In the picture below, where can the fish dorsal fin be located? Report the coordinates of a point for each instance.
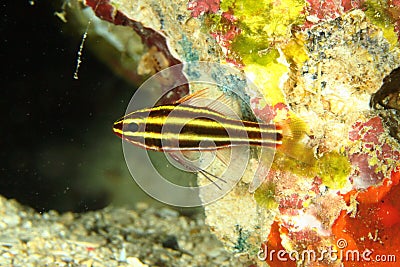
(194, 98)
(205, 99)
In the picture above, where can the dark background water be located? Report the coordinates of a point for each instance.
(56, 141)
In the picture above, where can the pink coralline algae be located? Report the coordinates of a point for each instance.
(200, 7)
(225, 35)
(268, 112)
(372, 150)
(224, 38)
(368, 131)
(291, 204)
(329, 9)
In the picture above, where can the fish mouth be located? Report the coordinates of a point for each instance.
(117, 127)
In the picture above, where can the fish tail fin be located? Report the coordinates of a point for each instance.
(293, 132)
(293, 129)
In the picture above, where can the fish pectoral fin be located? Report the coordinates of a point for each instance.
(191, 155)
(224, 155)
(184, 159)
(224, 106)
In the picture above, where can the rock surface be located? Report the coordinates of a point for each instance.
(114, 236)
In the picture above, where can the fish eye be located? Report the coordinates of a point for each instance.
(131, 127)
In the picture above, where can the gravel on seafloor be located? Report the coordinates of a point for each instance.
(114, 236)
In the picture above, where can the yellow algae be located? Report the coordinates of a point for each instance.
(226, 4)
(295, 51)
(268, 18)
(268, 78)
(373, 161)
(307, 203)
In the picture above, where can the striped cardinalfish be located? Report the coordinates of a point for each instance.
(184, 126)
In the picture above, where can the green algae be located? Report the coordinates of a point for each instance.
(284, 163)
(376, 12)
(249, 50)
(265, 196)
(265, 27)
(266, 18)
(333, 168)
(262, 23)
(216, 23)
(241, 243)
